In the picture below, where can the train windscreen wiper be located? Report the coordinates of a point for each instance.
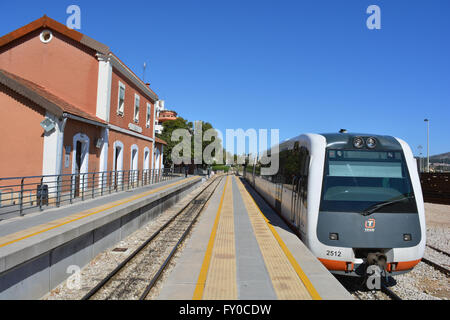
(377, 207)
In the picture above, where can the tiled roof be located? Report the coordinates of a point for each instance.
(101, 49)
(43, 97)
(158, 140)
(46, 22)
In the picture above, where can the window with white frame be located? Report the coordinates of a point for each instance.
(121, 102)
(137, 101)
(149, 108)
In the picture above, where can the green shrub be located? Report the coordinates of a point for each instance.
(221, 168)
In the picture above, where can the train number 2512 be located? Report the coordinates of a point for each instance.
(332, 253)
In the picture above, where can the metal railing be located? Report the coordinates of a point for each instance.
(21, 195)
(436, 187)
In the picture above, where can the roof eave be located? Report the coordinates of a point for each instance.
(31, 95)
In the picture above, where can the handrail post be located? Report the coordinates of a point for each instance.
(82, 188)
(40, 195)
(102, 182)
(21, 197)
(71, 188)
(93, 185)
(58, 192)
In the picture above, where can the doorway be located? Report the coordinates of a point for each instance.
(134, 164)
(146, 165)
(78, 151)
(118, 164)
(80, 163)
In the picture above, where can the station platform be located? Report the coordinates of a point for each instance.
(240, 249)
(37, 249)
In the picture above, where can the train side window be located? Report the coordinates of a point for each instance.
(306, 175)
(304, 171)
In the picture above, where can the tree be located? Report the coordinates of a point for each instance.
(212, 143)
(168, 128)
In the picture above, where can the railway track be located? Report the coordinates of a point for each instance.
(439, 250)
(357, 287)
(436, 265)
(391, 294)
(361, 293)
(359, 290)
(135, 277)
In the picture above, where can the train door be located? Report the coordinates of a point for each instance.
(278, 193)
(305, 161)
(294, 198)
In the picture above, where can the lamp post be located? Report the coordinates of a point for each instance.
(428, 144)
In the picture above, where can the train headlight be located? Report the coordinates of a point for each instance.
(358, 142)
(407, 237)
(371, 143)
(334, 236)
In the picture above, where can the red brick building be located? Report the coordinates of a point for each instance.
(69, 105)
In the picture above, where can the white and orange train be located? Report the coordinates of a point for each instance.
(355, 200)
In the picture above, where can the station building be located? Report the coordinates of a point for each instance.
(68, 105)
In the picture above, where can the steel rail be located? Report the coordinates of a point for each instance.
(105, 280)
(391, 294)
(436, 266)
(439, 250)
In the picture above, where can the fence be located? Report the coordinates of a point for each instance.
(22, 194)
(436, 187)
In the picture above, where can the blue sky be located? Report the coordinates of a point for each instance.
(297, 66)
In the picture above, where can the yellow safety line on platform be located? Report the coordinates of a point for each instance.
(199, 288)
(301, 274)
(115, 204)
(221, 281)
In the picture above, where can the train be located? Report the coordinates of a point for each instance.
(355, 200)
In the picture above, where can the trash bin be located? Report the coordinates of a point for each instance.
(42, 195)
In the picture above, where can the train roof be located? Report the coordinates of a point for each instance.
(345, 141)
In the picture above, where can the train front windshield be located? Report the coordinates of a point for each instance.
(367, 181)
